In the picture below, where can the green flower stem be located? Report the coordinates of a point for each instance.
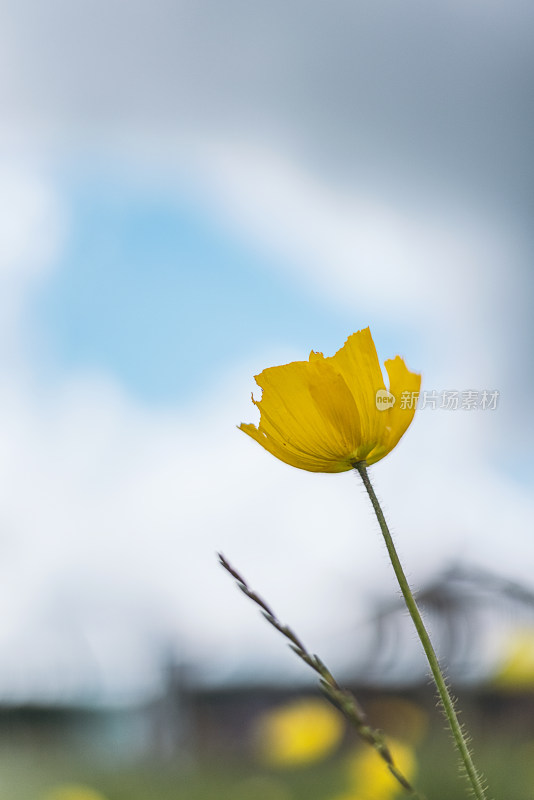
(459, 736)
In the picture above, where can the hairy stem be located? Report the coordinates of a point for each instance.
(459, 736)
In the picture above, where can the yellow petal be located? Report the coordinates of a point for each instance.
(289, 455)
(358, 363)
(288, 412)
(321, 415)
(308, 416)
(336, 404)
(401, 381)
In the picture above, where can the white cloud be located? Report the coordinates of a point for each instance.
(105, 504)
(450, 274)
(32, 224)
(31, 235)
(417, 264)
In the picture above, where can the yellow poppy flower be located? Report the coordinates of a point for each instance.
(327, 414)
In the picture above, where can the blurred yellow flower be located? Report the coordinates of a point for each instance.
(72, 791)
(369, 777)
(327, 414)
(516, 670)
(298, 733)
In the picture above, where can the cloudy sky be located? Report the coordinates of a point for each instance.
(191, 192)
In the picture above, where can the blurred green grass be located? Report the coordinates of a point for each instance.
(30, 773)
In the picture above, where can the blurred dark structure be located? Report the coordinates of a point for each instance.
(465, 608)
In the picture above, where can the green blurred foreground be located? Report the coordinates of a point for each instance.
(510, 774)
(41, 770)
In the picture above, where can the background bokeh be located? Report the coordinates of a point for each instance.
(191, 192)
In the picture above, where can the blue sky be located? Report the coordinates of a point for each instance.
(152, 289)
